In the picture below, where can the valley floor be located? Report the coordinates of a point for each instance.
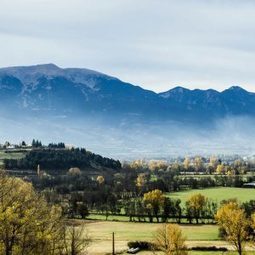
(197, 235)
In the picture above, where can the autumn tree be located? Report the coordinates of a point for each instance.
(196, 205)
(28, 225)
(138, 164)
(198, 163)
(76, 239)
(100, 179)
(170, 241)
(220, 169)
(74, 171)
(232, 219)
(157, 165)
(186, 163)
(154, 200)
(141, 180)
(213, 163)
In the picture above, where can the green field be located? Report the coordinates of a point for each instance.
(13, 155)
(100, 233)
(217, 194)
(144, 231)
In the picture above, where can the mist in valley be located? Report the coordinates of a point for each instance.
(126, 139)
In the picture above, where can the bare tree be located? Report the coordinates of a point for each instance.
(76, 239)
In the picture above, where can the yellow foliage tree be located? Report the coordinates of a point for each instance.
(157, 164)
(235, 223)
(196, 204)
(198, 163)
(170, 241)
(220, 169)
(100, 179)
(138, 164)
(74, 171)
(186, 163)
(154, 199)
(213, 162)
(27, 224)
(140, 180)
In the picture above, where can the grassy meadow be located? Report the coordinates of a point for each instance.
(13, 155)
(217, 194)
(100, 233)
(101, 230)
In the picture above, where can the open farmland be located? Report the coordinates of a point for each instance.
(218, 194)
(100, 233)
(102, 230)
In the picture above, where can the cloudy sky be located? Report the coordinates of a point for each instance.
(157, 44)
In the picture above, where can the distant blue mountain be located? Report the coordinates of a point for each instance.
(50, 90)
(117, 119)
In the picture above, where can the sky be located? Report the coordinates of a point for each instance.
(156, 44)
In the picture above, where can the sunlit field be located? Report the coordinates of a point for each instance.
(101, 233)
(218, 194)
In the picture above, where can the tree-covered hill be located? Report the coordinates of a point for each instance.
(61, 160)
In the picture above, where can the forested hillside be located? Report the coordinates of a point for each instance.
(61, 160)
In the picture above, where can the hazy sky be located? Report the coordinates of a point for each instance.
(157, 44)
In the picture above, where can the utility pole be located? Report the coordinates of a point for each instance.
(113, 244)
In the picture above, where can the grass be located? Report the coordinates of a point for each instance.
(13, 155)
(218, 194)
(101, 234)
(110, 217)
(102, 230)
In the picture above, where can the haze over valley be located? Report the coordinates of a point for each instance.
(117, 119)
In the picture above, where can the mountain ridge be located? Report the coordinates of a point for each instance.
(54, 70)
(48, 88)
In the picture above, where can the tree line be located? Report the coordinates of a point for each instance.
(122, 192)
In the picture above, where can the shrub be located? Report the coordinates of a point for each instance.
(142, 245)
(209, 248)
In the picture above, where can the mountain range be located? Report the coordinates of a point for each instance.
(92, 109)
(48, 89)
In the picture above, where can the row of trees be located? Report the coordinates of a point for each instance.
(35, 144)
(155, 205)
(195, 165)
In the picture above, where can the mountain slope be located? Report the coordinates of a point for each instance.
(232, 101)
(50, 90)
(115, 118)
